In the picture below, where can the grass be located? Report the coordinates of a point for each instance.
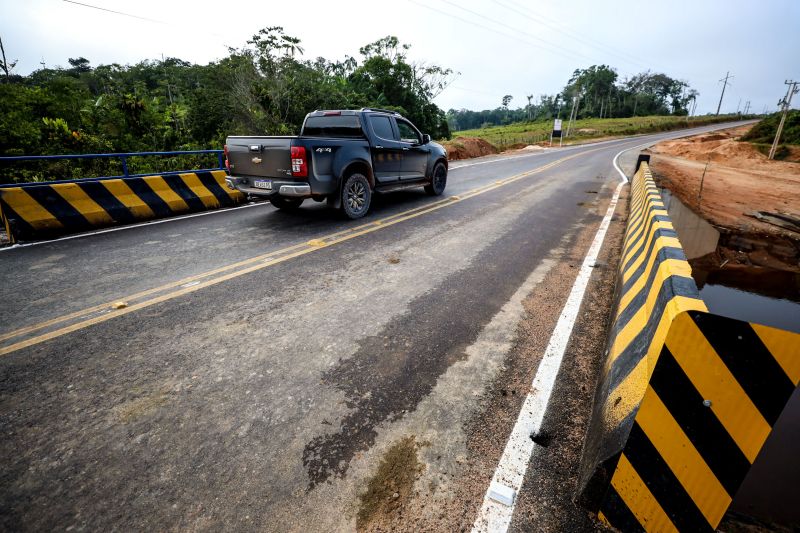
(764, 131)
(507, 136)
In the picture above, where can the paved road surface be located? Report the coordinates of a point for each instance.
(266, 361)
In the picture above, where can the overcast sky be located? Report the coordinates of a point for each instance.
(500, 47)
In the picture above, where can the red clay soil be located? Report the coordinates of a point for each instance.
(739, 180)
(468, 147)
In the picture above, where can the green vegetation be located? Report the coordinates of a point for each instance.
(597, 93)
(591, 128)
(763, 133)
(263, 88)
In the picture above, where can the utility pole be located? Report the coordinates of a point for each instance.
(747, 107)
(725, 84)
(5, 63)
(785, 102)
(573, 114)
(739, 105)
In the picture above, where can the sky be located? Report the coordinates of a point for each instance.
(498, 47)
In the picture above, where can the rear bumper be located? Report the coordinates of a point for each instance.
(281, 188)
(295, 190)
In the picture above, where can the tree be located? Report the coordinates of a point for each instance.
(263, 88)
(386, 79)
(4, 64)
(594, 86)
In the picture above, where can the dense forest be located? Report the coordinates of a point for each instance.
(262, 88)
(598, 94)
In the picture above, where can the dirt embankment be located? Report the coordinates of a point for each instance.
(468, 147)
(738, 182)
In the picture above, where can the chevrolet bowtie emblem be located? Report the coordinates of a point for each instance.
(256, 160)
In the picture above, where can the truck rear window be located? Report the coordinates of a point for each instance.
(333, 126)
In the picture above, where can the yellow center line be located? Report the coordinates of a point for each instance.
(247, 266)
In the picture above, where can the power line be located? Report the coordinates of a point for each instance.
(116, 12)
(487, 28)
(575, 55)
(555, 26)
(146, 19)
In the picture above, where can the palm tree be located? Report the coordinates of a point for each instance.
(291, 45)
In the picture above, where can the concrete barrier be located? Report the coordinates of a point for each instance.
(35, 211)
(686, 398)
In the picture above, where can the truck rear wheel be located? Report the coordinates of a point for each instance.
(356, 196)
(438, 181)
(287, 204)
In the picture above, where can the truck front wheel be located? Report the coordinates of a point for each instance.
(438, 180)
(287, 204)
(356, 196)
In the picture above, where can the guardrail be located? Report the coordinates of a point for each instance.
(122, 156)
(39, 210)
(686, 399)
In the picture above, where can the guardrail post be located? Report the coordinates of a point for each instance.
(220, 161)
(124, 166)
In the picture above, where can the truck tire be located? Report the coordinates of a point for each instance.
(438, 181)
(284, 203)
(356, 196)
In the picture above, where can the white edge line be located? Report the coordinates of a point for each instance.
(129, 226)
(495, 517)
(545, 151)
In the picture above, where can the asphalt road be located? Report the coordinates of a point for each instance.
(264, 362)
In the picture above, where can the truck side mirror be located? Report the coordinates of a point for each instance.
(426, 138)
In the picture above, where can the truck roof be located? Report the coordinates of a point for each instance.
(323, 112)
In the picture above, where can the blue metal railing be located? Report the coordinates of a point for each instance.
(123, 157)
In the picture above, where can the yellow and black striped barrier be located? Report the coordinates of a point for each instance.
(686, 398)
(33, 211)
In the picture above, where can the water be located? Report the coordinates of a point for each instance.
(754, 294)
(697, 236)
(763, 296)
(767, 297)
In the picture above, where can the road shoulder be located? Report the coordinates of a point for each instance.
(545, 503)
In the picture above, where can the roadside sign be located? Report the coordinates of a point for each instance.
(556, 132)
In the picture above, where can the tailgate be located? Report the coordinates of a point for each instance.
(268, 157)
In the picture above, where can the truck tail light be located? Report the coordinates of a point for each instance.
(299, 162)
(227, 163)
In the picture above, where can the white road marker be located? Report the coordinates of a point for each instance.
(495, 514)
(616, 159)
(501, 493)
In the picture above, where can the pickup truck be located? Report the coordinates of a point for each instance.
(342, 157)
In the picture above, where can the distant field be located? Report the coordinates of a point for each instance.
(532, 132)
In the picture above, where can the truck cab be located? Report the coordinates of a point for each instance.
(342, 156)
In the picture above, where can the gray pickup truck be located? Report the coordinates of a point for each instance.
(339, 156)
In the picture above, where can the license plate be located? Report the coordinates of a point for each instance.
(263, 184)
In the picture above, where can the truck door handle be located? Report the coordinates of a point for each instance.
(405, 148)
